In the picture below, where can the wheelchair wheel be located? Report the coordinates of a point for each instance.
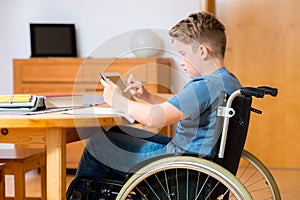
(183, 177)
(256, 177)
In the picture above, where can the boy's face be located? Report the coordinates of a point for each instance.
(191, 59)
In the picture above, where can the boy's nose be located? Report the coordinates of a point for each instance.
(182, 62)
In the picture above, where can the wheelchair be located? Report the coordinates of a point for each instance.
(229, 173)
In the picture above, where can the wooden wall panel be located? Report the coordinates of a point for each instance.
(264, 49)
(208, 6)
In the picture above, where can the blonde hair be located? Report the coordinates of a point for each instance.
(201, 28)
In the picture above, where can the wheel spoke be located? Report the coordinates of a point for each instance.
(256, 177)
(197, 185)
(152, 190)
(187, 185)
(160, 183)
(177, 184)
(141, 193)
(202, 188)
(212, 191)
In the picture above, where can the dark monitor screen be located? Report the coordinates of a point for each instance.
(53, 40)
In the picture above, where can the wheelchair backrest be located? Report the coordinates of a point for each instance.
(236, 134)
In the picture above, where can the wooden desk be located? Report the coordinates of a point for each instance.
(41, 76)
(54, 130)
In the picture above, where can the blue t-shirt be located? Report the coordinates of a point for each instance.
(196, 133)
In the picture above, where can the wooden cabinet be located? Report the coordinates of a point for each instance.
(80, 76)
(77, 75)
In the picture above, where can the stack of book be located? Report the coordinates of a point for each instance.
(17, 103)
(21, 102)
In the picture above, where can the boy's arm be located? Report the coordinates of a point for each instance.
(154, 98)
(152, 115)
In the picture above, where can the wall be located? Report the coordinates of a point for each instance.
(97, 21)
(263, 49)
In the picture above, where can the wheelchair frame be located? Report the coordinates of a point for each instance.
(152, 181)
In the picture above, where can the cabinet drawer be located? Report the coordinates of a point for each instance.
(43, 72)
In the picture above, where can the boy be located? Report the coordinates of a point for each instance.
(201, 40)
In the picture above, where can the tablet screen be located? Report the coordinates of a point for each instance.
(118, 80)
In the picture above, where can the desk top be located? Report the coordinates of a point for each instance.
(58, 120)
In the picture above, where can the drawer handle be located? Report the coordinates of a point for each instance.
(4, 131)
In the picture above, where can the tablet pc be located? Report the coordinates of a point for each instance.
(118, 80)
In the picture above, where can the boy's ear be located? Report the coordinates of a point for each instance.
(203, 51)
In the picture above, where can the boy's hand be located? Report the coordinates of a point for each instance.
(111, 93)
(135, 87)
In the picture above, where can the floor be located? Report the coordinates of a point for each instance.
(287, 180)
(288, 183)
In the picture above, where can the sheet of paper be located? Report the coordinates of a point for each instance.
(99, 111)
(50, 110)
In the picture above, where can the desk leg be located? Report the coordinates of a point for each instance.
(56, 164)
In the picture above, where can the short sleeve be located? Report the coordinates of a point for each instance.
(193, 99)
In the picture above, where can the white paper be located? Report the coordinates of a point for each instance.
(99, 111)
